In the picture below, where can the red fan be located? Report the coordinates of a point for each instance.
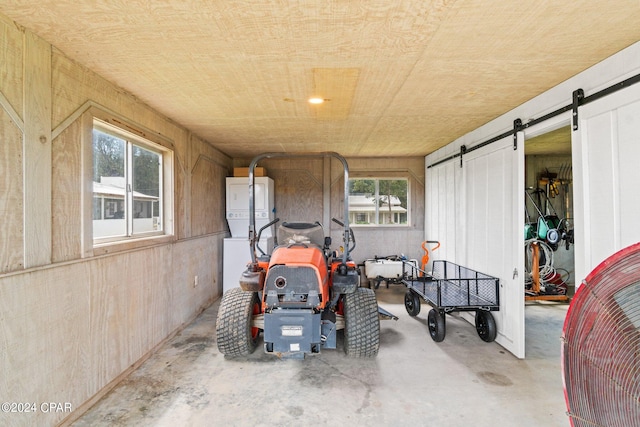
(601, 345)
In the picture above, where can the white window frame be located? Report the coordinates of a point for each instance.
(376, 213)
(138, 136)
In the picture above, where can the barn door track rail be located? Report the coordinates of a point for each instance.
(578, 99)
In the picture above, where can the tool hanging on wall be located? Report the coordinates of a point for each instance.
(554, 189)
(566, 179)
(548, 226)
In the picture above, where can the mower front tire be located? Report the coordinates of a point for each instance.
(235, 334)
(362, 325)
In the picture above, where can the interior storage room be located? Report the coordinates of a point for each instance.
(548, 207)
(374, 213)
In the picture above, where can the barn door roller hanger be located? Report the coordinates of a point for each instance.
(579, 99)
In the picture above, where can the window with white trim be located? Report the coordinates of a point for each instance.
(379, 201)
(128, 185)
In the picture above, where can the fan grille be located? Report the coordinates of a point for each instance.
(601, 345)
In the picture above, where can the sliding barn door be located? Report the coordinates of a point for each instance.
(606, 173)
(441, 217)
(493, 212)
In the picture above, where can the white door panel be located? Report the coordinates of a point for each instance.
(493, 212)
(606, 178)
(476, 212)
(441, 213)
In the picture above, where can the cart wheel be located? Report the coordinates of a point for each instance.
(486, 326)
(437, 325)
(412, 303)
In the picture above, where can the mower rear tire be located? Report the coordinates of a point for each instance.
(362, 324)
(235, 334)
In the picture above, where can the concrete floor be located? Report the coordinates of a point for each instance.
(414, 381)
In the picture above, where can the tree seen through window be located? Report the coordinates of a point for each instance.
(375, 201)
(127, 188)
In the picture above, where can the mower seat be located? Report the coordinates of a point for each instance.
(301, 233)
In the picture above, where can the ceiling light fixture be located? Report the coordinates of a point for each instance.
(316, 100)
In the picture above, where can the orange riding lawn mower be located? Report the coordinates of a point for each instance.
(301, 294)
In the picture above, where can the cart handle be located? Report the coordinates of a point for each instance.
(425, 257)
(437, 243)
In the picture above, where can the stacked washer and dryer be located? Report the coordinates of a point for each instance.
(237, 252)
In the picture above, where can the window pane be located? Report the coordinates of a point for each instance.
(97, 207)
(127, 185)
(362, 209)
(393, 201)
(108, 185)
(146, 190)
(378, 201)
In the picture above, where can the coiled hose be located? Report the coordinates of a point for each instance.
(545, 262)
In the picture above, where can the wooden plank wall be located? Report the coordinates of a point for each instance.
(385, 241)
(301, 190)
(74, 320)
(36, 149)
(11, 130)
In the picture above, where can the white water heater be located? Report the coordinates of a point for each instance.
(238, 205)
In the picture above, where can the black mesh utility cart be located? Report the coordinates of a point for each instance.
(451, 287)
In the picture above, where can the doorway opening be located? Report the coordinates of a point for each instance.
(548, 221)
(549, 247)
